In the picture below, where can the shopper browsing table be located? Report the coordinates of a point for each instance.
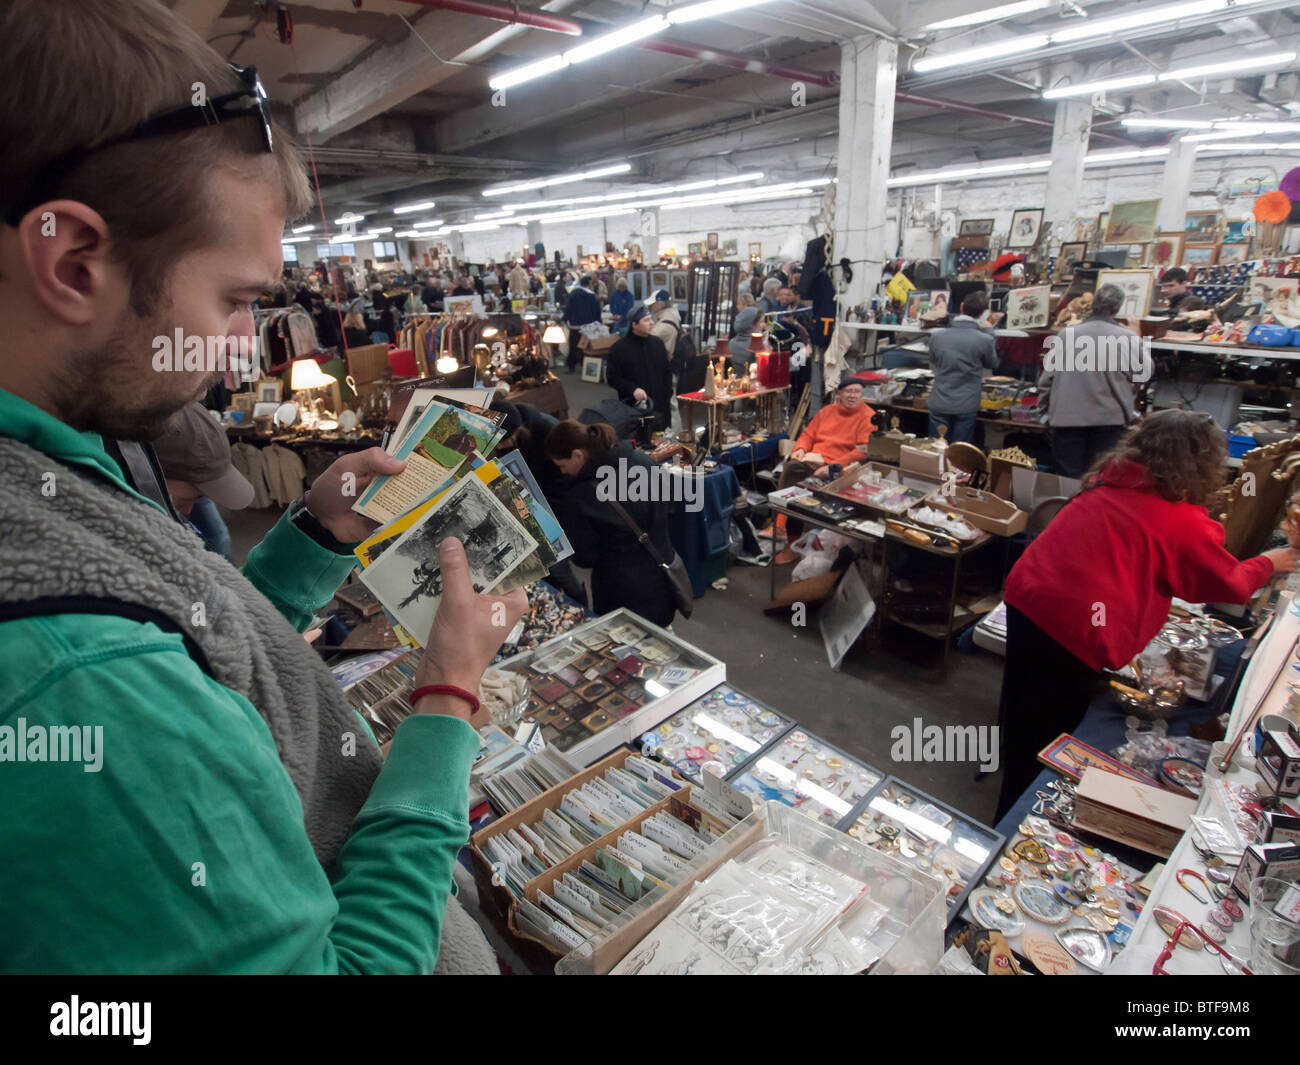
(581, 308)
(1089, 401)
(238, 816)
(637, 368)
(959, 355)
(1094, 588)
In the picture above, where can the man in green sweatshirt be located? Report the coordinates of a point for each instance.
(185, 788)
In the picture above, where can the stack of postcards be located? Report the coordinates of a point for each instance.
(453, 485)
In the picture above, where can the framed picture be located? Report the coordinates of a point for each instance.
(1026, 224)
(638, 284)
(1202, 226)
(1137, 286)
(1236, 252)
(1028, 308)
(1103, 220)
(1166, 250)
(1070, 253)
(679, 285)
(593, 369)
(730, 248)
(1133, 222)
(1137, 255)
(755, 250)
(922, 303)
(975, 227)
(1200, 252)
(712, 241)
(658, 280)
(1277, 296)
(695, 251)
(243, 401)
(268, 390)
(1238, 232)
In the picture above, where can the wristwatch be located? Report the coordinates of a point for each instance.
(300, 516)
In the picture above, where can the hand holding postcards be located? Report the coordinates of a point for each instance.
(449, 488)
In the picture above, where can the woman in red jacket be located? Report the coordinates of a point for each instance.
(1094, 588)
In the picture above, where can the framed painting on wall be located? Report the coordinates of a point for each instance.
(1137, 286)
(730, 248)
(1236, 252)
(1026, 223)
(1200, 253)
(1070, 253)
(658, 280)
(755, 250)
(1202, 226)
(975, 227)
(1166, 250)
(1133, 222)
(711, 241)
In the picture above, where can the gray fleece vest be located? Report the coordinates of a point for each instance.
(93, 539)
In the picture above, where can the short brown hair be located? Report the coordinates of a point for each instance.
(80, 74)
(570, 436)
(1183, 452)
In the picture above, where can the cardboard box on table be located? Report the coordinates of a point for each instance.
(981, 509)
(498, 903)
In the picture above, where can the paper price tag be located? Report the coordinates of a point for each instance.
(1288, 906)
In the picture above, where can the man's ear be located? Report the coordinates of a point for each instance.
(65, 252)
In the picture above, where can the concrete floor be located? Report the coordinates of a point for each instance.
(877, 688)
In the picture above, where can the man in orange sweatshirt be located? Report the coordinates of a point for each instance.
(834, 434)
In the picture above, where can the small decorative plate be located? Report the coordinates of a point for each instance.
(1041, 903)
(1087, 946)
(995, 910)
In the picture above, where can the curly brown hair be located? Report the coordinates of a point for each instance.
(1183, 452)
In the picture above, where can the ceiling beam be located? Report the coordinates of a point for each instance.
(391, 74)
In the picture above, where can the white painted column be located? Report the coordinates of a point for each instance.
(535, 238)
(647, 227)
(1176, 186)
(1070, 130)
(868, 81)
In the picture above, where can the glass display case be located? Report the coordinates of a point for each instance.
(605, 682)
(810, 775)
(718, 733)
(919, 830)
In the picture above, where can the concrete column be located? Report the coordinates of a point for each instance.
(1070, 130)
(456, 241)
(868, 76)
(868, 81)
(647, 227)
(1175, 186)
(534, 238)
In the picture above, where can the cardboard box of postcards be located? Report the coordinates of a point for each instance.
(500, 905)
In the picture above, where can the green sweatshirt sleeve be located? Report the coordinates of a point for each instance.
(175, 841)
(295, 572)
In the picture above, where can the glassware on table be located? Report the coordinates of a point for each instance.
(1274, 938)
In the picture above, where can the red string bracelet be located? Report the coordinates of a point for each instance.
(445, 689)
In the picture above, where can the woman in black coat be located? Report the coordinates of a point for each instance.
(623, 573)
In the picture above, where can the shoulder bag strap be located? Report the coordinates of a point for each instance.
(643, 538)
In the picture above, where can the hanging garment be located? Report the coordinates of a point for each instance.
(284, 474)
(251, 462)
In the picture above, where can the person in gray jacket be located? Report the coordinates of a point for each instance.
(1086, 389)
(747, 315)
(958, 356)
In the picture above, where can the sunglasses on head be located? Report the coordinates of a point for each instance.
(250, 100)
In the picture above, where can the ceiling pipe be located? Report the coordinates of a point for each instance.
(826, 80)
(984, 112)
(536, 19)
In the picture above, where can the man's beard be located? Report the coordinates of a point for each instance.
(114, 390)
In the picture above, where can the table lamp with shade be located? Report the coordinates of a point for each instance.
(307, 376)
(554, 335)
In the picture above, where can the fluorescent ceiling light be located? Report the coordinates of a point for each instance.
(991, 14)
(519, 75)
(408, 208)
(1089, 88)
(342, 238)
(383, 229)
(303, 229)
(1081, 31)
(294, 240)
(998, 50)
(1123, 155)
(429, 223)
(408, 233)
(1259, 146)
(344, 219)
(1239, 126)
(506, 213)
(1209, 69)
(963, 172)
(562, 179)
(611, 197)
(624, 35)
(714, 8)
(1217, 135)
(1167, 123)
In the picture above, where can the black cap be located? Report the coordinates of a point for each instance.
(638, 312)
